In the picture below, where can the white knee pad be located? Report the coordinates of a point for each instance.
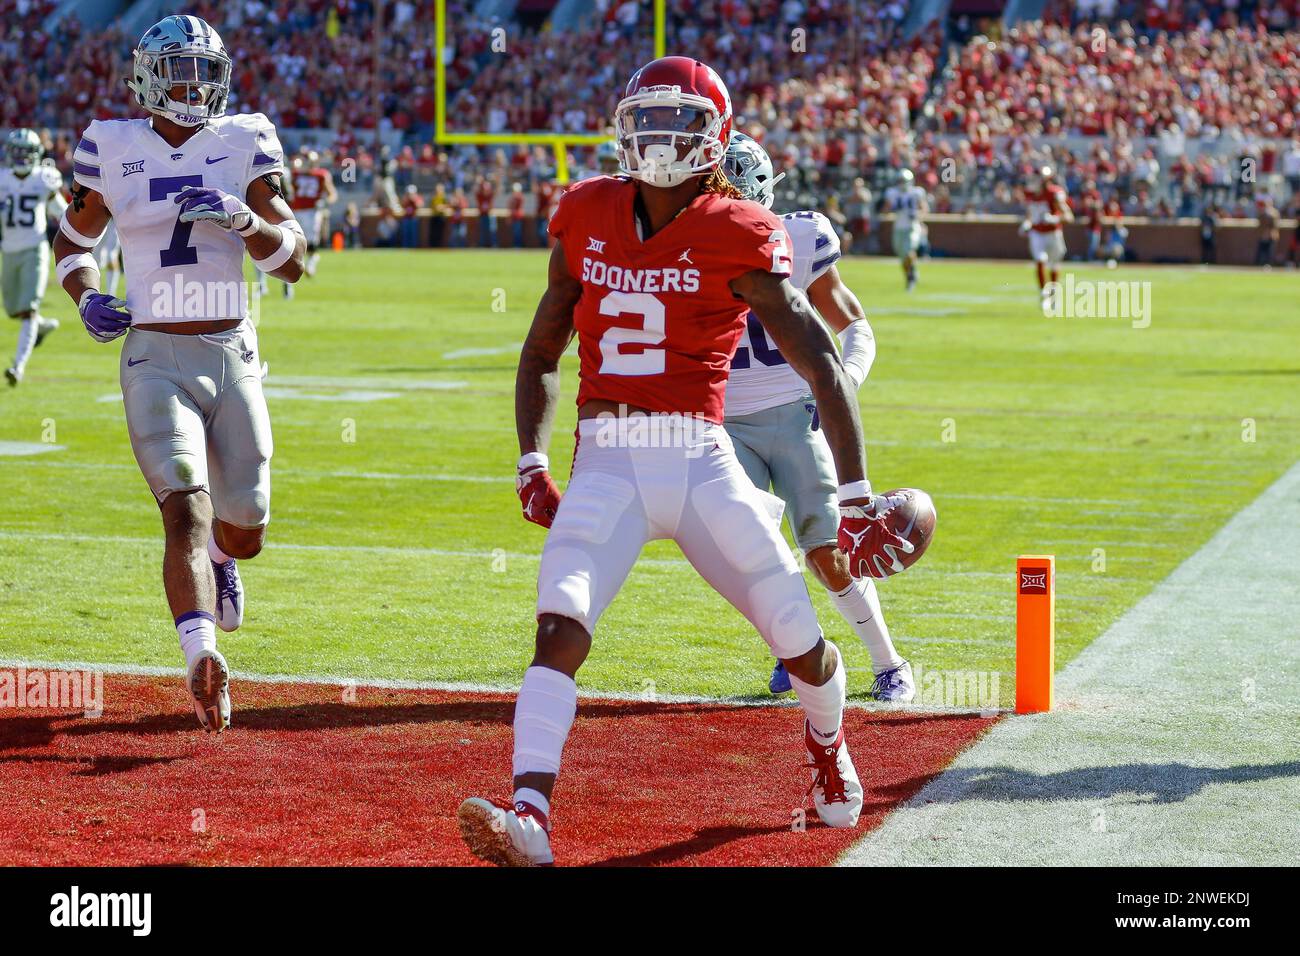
(248, 510)
(780, 608)
(565, 584)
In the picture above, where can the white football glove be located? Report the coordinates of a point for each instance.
(205, 203)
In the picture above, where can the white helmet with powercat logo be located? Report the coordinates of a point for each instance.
(749, 169)
(181, 51)
(22, 150)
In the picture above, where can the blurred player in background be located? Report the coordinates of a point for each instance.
(773, 422)
(30, 193)
(191, 191)
(907, 200)
(607, 159)
(1047, 210)
(654, 273)
(109, 256)
(312, 192)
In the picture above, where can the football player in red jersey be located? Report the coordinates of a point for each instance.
(654, 272)
(313, 193)
(1046, 213)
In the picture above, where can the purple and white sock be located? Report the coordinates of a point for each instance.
(198, 633)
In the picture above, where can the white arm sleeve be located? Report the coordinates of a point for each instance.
(859, 350)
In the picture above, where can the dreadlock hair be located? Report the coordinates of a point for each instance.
(717, 182)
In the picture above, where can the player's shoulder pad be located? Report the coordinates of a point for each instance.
(104, 143)
(750, 216)
(244, 127)
(595, 189)
(105, 139)
(597, 193)
(249, 132)
(813, 233)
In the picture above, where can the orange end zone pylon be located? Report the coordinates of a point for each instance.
(1035, 632)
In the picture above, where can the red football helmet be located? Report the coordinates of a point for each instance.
(673, 122)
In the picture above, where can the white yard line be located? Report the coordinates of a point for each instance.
(1173, 741)
(415, 551)
(361, 684)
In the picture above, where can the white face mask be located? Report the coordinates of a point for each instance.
(665, 136)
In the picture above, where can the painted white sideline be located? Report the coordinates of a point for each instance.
(1174, 738)
(463, 687)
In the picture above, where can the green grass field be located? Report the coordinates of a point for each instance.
(398, 551)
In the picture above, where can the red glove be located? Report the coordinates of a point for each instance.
(870, 543)
(537, 492)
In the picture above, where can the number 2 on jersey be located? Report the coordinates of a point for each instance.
(648, 361)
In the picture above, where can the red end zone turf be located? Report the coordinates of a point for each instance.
(304, 778)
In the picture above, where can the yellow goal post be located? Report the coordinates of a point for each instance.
(559, 142)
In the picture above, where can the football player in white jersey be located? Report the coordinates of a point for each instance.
(108, 254)
(190, 190)
(772, 420)
(908, 201)
(29, 192)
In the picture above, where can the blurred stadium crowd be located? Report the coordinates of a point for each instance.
(1164, 109)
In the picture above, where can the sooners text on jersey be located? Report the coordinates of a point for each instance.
(657, 321)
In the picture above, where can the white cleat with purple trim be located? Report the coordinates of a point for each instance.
(207, 681)
(230, 595)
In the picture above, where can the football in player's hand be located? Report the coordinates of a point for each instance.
(910, 514)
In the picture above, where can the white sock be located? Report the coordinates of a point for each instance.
(544, 712)
(824, 705)
(198, 632)
(860, 606)
(27, 330)
(110, 281)
(215, 554)
(313, 260)
(534, 797)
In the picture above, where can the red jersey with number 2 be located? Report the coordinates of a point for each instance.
(657, 321)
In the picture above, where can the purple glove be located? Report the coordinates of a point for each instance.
(102, 315)
(220, 208)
